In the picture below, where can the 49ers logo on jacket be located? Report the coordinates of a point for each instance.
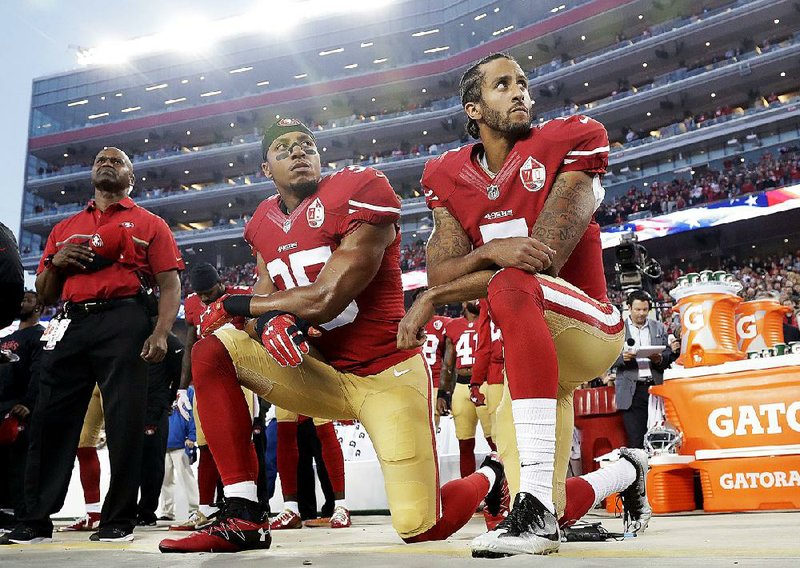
(532, 174)
(315, 214)
(97, 241)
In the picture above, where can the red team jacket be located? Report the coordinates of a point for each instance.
(362, 339)
(509, 204)
(433, 348)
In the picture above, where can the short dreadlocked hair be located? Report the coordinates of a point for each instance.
(470, 87)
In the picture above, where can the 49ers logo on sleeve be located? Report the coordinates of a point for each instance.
(96, 241)
(315, 214)
(532, 174)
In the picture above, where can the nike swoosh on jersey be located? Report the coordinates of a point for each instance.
(400, 373)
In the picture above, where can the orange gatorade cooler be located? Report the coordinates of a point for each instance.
(707, 313)
(759, 324)
(670, 484)
(750, 484)
(737, 405)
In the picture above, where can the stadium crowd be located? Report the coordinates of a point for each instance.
(704, 186)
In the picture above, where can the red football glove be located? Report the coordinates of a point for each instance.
(476, 396)
(214, 317)
(284, 339)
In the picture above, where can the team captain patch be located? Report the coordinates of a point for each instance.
(315, 214)
(532, 174)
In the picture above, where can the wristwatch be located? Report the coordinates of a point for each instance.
(48, 261)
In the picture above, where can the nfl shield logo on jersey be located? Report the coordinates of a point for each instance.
(437, 325)
(315, 214)
(532, 174)
(493, 192)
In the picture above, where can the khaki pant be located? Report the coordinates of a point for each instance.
(93, 422)
(466, 415)
(394, 406)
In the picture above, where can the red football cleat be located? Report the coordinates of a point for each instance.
(240, 525)
(340, 518)
(286, 520)
(88, 522)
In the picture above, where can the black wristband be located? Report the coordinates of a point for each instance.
(238, 305)
(262, 320)
(442, 393)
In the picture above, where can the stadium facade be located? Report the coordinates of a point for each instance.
(380, 89)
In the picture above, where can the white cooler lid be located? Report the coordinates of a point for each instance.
(751, 452)
(670, 459)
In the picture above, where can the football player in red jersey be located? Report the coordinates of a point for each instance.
(467, 407)
(514, 224)
(208, 287)
(434, 352)
(328, 302)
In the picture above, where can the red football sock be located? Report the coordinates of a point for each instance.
(516, 305)
(89, 466)
(491, 443)
(332, 456)
(207, 476)
(288, 454)
(226, 423)
(580, 498)
(466, 456)
(460, 499)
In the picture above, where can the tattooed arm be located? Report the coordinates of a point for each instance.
(457, 273)
(450, 254)
(566, 214)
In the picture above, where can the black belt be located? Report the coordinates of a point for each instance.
(646, 382)
(96, 306)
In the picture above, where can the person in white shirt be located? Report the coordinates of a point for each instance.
(638, 367)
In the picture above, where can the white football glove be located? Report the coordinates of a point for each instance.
(183, 404)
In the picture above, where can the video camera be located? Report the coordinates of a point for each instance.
(635, 269)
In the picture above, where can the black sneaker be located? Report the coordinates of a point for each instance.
(23, 534)
(635, 506)
(240, 525)
(112, 534)
(529, 529)
(142, 521)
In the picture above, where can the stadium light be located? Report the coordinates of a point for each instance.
(198, 35)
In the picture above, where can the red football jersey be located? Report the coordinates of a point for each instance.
(489, 360)
(193, 307)
(464, 335)
(509, 204)
(433, 348)
(363, 338)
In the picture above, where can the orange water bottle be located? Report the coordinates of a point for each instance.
(707, 310)
(759, 324)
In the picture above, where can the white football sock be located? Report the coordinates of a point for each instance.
(340, 503)
(535, 422)
(208, 510)
(94, 507)
(244, 489)
(489, 474)
(292, 506)
(613, 478)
